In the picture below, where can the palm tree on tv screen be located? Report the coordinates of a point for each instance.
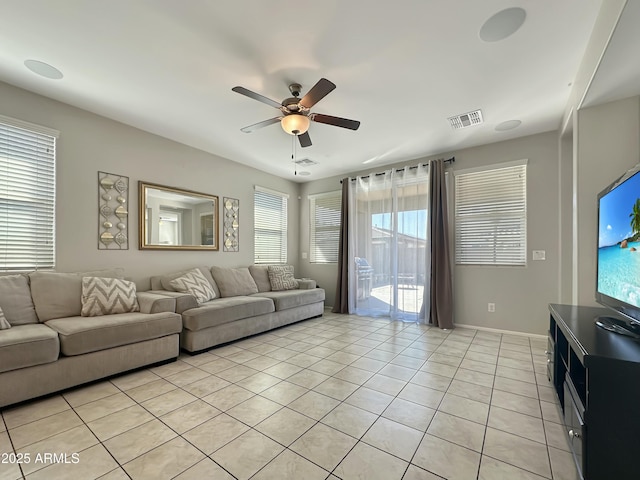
(635, 218)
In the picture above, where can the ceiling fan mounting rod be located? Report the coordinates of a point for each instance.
(295, 88)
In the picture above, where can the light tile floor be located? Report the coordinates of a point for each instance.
(338, 397)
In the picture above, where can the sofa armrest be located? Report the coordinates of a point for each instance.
(184, 301)
(154, 303)
(306, 283)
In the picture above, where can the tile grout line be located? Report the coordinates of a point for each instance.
(396, 350)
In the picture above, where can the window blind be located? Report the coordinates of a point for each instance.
(325, 213)
(491, 216)
(270, 226)
(27, 196)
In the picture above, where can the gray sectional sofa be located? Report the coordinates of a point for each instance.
(51, 347)
(244, 304)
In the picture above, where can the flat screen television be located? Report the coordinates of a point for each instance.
(618, 257)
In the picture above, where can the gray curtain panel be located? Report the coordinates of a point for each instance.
(341, 303)
(441, 313)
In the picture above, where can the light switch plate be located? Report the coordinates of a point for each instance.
(539, 255)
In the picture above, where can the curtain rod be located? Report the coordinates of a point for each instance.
(449, 160)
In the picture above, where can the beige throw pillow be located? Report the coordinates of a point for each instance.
(260, 274)
(4, 324)
(234, 282)
(107, 296)
(15, 299)
(59, 295)
(281, 277)
(194, 283)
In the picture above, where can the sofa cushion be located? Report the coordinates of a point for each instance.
(281, 277)
(4, 323)
(15, 300)
(58, 295)
(233, 282)
(225, 310)
(293, 298)
(260, 274)
(80, 335)
(27, 345)
(107, 296)
(194, 283)
(165, 280)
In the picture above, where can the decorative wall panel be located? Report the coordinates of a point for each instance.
(113, 212)
(231, 225)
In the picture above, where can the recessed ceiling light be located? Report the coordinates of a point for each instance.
(504, 23)
(304, 173)
(508, 125)
(43, 69)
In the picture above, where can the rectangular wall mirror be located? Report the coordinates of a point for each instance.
(176, 219)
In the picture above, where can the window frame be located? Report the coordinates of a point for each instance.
(491, 228)
(262, 253)
(332, 240)
(27, 185)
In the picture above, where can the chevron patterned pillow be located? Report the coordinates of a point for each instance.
(281, 277)
(106, 296)
(4, 323)
(194, 283)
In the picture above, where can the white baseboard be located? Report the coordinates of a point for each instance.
(498, 330)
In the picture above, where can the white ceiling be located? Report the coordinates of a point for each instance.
(400, 67)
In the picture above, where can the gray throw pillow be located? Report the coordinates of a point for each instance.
(281, 277)
(15, 300)
(260, 274)
(59, 295)
(4, 324)
(194, 283)
(107, 296)
(234, 282)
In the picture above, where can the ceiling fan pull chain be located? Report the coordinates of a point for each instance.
(293, 154)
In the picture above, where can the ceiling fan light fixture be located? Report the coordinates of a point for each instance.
(295, 124)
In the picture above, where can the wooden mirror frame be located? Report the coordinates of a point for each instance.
(178, 200)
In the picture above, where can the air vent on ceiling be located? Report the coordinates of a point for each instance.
(466, 119)
(305, 162)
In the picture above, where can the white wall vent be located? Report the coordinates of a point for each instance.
(466, 120)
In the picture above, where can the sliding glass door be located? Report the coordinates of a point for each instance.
(389, 244)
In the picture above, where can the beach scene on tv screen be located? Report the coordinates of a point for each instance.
(619, 242)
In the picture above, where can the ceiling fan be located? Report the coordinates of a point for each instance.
(296, 114)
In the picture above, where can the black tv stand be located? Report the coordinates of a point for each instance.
(596, 374)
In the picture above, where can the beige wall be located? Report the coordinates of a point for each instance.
(566, 238)
(89, 143)
(521, 294)
(605, 143)
(598, 145)
(608, 141)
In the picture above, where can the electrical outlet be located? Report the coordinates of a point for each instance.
(304, 255)
(491, 307)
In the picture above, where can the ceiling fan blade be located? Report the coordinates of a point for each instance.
(305, 140)
(317, 93)
(256, 96)
(258, 125)
(335, 121)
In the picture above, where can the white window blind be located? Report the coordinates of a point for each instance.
(27, 196)
(270, 222)
(325, 227)
(491, 216)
